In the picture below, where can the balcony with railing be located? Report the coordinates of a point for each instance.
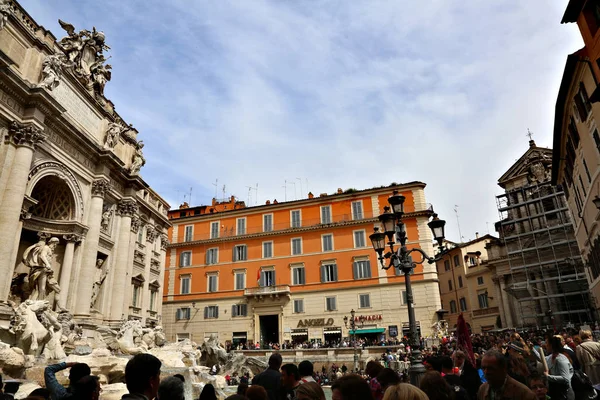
(268, 291)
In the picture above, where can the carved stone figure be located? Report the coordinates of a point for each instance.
(38, 258)
(138, 160)
(4, 13)
(159, 337)
(31, 334)
(51, 71)
(128, 134)
(112, 135)
(129, 338)
(53, 349)
(213, 353)
(101, 273)
(105, 222)
(84, 51)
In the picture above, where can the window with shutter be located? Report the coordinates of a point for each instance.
(365, 301)
(298, 306)
(404, 297)
(330, 303)
(211, 312)
(460, 282)
(298, 276)
(212, 256)
(357, 212)
(214, 229)
(185, 258)
(234, 310)
(296, 246)
(267, 249)
(241, 226)
(452, 307)
(449, 284)
(327, 242)
(480, 280)
(244, 310)
(328, 273)
(239, 253)
(296, 219)
(267, 277)
(189, 233)
(185, 284)
(212, 283)
(267, 222)
(359, 239)
(446, 265)
(326, 214)
(463, 304)
(483, 300)
(362, 269)
(240, 280)
(456, 261)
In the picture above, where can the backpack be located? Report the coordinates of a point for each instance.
(582, 386)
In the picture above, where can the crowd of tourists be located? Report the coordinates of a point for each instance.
(315, 344)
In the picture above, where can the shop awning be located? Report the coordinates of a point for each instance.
(300, 333)
(332, 331)
(365, 331)
(240, 336)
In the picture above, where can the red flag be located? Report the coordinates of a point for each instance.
(464, 338)
(258, 277)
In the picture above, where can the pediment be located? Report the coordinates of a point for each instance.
(535, 165)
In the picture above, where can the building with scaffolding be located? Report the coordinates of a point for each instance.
(537, 265)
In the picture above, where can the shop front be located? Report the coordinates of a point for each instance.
(406, 329)
(299, 335)
(371, 335)
(239, 339)
(332, 334)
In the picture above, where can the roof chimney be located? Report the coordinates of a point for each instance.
(340, 191)
(476, 235)
(275, 201)
(268, 202)
(310, 195)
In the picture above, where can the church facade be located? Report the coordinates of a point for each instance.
(79, 227)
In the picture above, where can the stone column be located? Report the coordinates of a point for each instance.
(25, 138)
(500, 302)
(67, 268)
(87, 272)
(126, 209)
(151, 235)
(506, 303)
(164, 242)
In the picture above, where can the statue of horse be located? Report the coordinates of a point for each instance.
(31, 334)
(130, 338)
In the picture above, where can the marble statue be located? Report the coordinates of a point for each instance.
(112, 135)
(38, 258)
(129, 338)
(84, 51)
(51, 71)
(101, 273)
(105, 221)
(31, 334)
(4, 13)
(138, 160)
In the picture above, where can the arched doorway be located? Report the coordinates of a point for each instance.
(55, 199)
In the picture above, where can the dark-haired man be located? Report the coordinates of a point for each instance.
(270, 378)
(307, 371)
(290, 378)
(58, 391)
(499, 385)
(142, 376)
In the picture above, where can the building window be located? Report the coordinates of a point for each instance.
(449, 284)
(212, 283)
(185, 284)
(463, 304)
(582, 186)
(573, 131)
(140, 236)
(452, 307)
(298, 276)
(153, 296)
(135, 298)
(327, 242)
(357, 211)
(189, 233)
(296, 217)
(480, 280)
(405, 298)
(359, 239)
(267, 277)
(296, 246)
(472, 260)
(326, 214)
(483, 300)
(240, 252)
(456, 261)
(582, 103)
(596, 137)
(185, 258)
(460, 282)
(239, 310)
(364, 301)
(587, 171)
(241, 226)
(298, 306)
(329, 273)
(330, 304)
(446, 265)
(214, 229)
(182, 313)
(211, 312)
(267, 249)
(212, 256)
(240, 280)
(362, 269)
(267, 222)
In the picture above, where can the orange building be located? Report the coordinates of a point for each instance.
(291, 271)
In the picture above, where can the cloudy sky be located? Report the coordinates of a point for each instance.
(348, 94)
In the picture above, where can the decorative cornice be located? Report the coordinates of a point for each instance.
(127, 208)
(99, 187)
(135, 223)
(25, 135)
(72, 237)
(151, 233)
(164, 241)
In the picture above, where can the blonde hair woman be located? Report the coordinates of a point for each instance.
(310, 391)
(404, 391)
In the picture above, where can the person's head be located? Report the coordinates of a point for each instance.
(306, 368)
(179, 376)
(275, 361)
(538, 385)
(78, 371)
(585, 334)
(208, 392)
(373, 369)
(404, 391)
(310, 391)
(494, 366)
(447, 364)
(459, 358)
(256, 392)
(142, 375)
(289, 375)
(87, 388)
(387, 377)
(171, 388)
(351, 387)
(435, 386)
(242, 388)
(556, 344)
(42, 393)
(434, 364)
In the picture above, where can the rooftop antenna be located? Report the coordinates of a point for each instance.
(285, 190)
(216, 185)
(190, 198)
(295, 195)
(256, 195)
(250, 189)
(224, 188)
(301, 191)
(458, 222)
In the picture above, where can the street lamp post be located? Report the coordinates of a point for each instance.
(353, 327)
(401, 258)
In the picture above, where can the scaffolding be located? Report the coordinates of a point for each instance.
(547, 276)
